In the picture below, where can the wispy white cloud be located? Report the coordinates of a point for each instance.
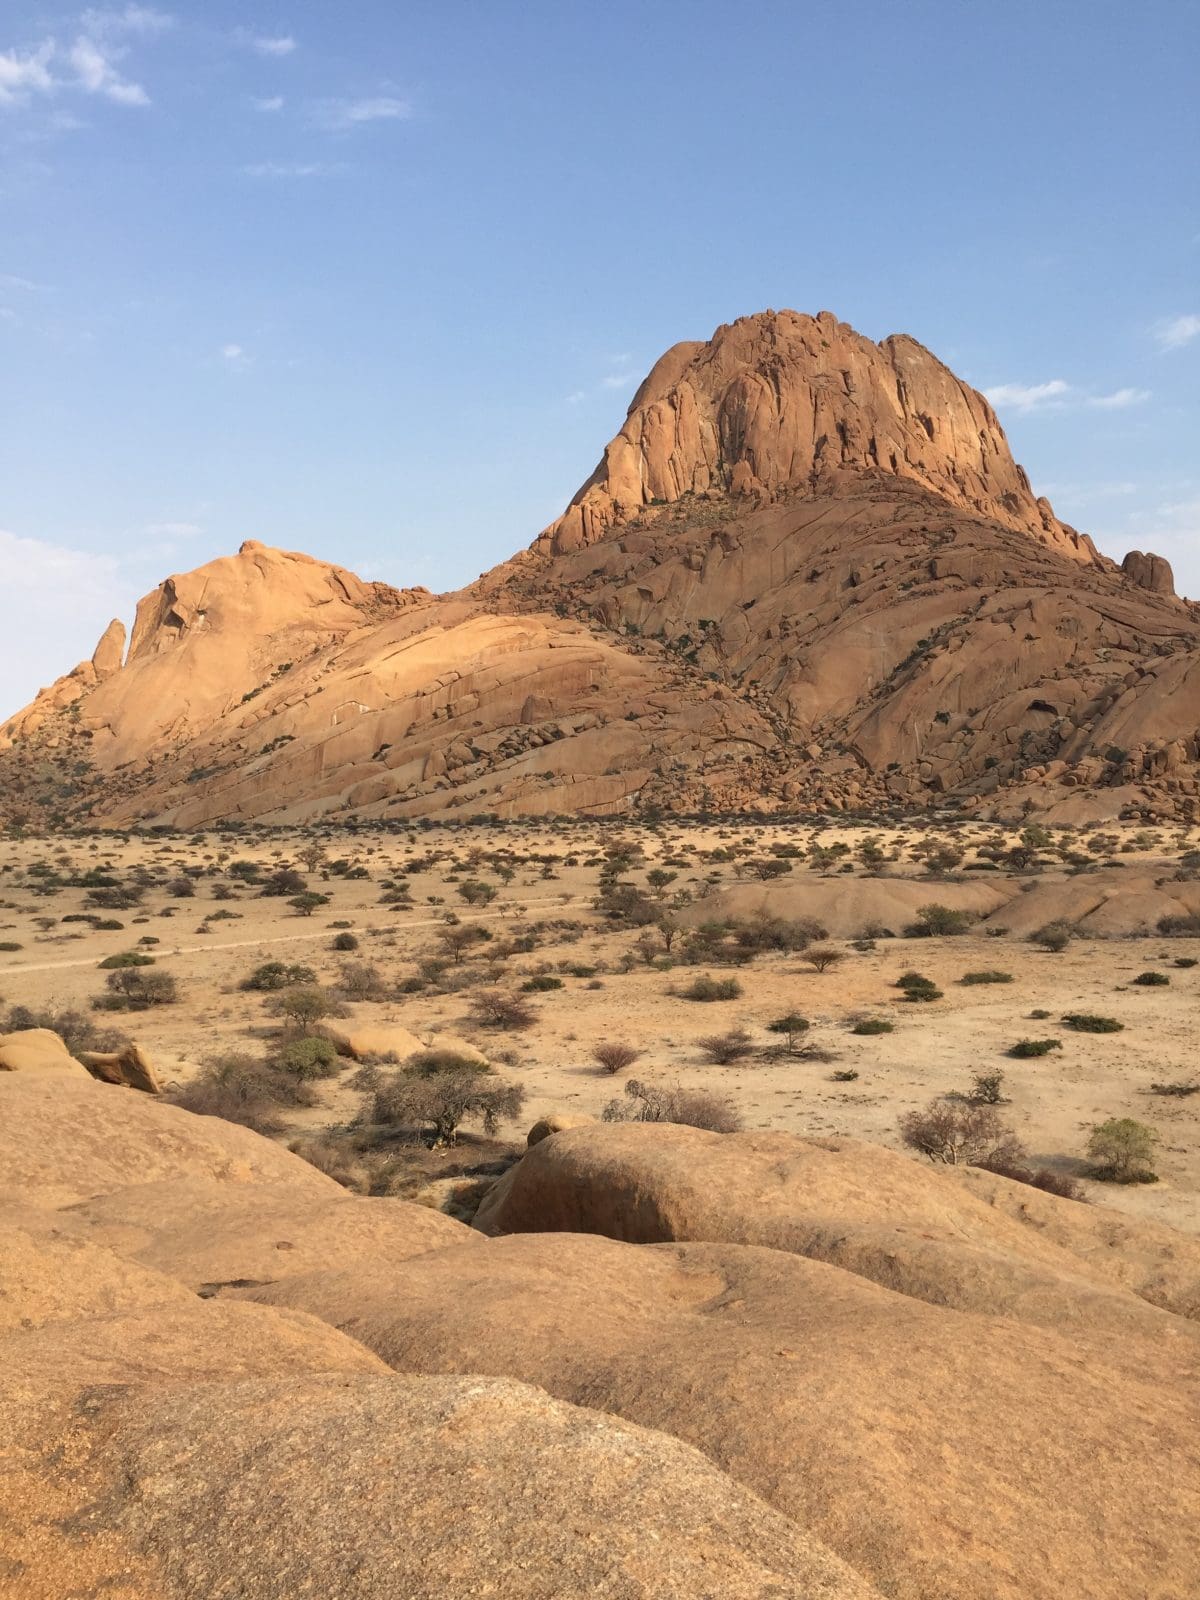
(173, 530)
(1057, 394)
(1028, 396)
(25, 73)
(271, 102)
(1119, 399)
(292, 169)
(342, 114)
(234, 355)
(618, 380)
(273, 45)
(1174, 332)
(129, 19)
(11, 281)
(89, 64)
(94, 66)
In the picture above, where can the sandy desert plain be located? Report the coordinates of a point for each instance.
(195, 905)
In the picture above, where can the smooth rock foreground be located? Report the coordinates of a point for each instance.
(795, 1368)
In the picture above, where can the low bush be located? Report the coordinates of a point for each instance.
(1122, 1151)
(960, 1133)
(1044, 1178)
(1026, 1049)
(1055, 936)
(344, 942)
(1179, 1090)
(1184, 961)
(242, 1088)
(844, 1075)
(918, 988)
(1151, 980)
(792, 1025)
(543, 983)
(987, 1087)
(824, 957)
(493, 1008)
(130, 989)
(869, 1026)
(274, 975)
(694, 1108)
(706, 987)
(989, 976)
(125, 958)
(309, 1058)
(939, 922)
(1087, 1022)
(615, 1057)
(721, 1049)
(437, 1093)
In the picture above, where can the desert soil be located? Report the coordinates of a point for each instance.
(1051, 1101)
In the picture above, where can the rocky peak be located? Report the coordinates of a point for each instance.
(782, 401)
(1149, 571)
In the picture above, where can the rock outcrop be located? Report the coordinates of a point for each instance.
(779, 401)
(807, 574)
(840, 1374)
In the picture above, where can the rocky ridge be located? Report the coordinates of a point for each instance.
(807, 574)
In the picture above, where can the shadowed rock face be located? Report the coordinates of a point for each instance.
(807, 573)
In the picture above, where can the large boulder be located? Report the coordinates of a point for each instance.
(904, 1224)
(130, 1067)
(208, 1233)
(377, 1488)
(943, 1453)
(37, 1050)
(361, 1041)
(64, 1140)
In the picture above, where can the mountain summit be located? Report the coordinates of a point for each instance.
(781, 401)
(806, 574)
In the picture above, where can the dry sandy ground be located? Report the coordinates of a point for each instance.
(1052, 1101)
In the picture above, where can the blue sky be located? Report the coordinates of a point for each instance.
(376, 280)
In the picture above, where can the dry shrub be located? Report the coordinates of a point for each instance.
(722, 1049)
(960, 1134)
(496, 1009)
(693, 1108)
(615, 1057)
(244, 1089)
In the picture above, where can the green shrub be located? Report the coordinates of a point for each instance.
(1025, 1049)
(987, 1086)
(1086, 1022)
(1184, 961)
(917, 987)
(275, 975)
(309, 1058)
(543, 983)
(1151, 980)
(1123, 1151)
(939, 922)
(989, 976)
(1055, 936)
(792, 1025)
(344, 941)
(844, 1075)
(9, 945)
(125, 958)
(870, 1026)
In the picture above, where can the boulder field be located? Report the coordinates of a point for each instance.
(806, 574)
(665, 1363)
